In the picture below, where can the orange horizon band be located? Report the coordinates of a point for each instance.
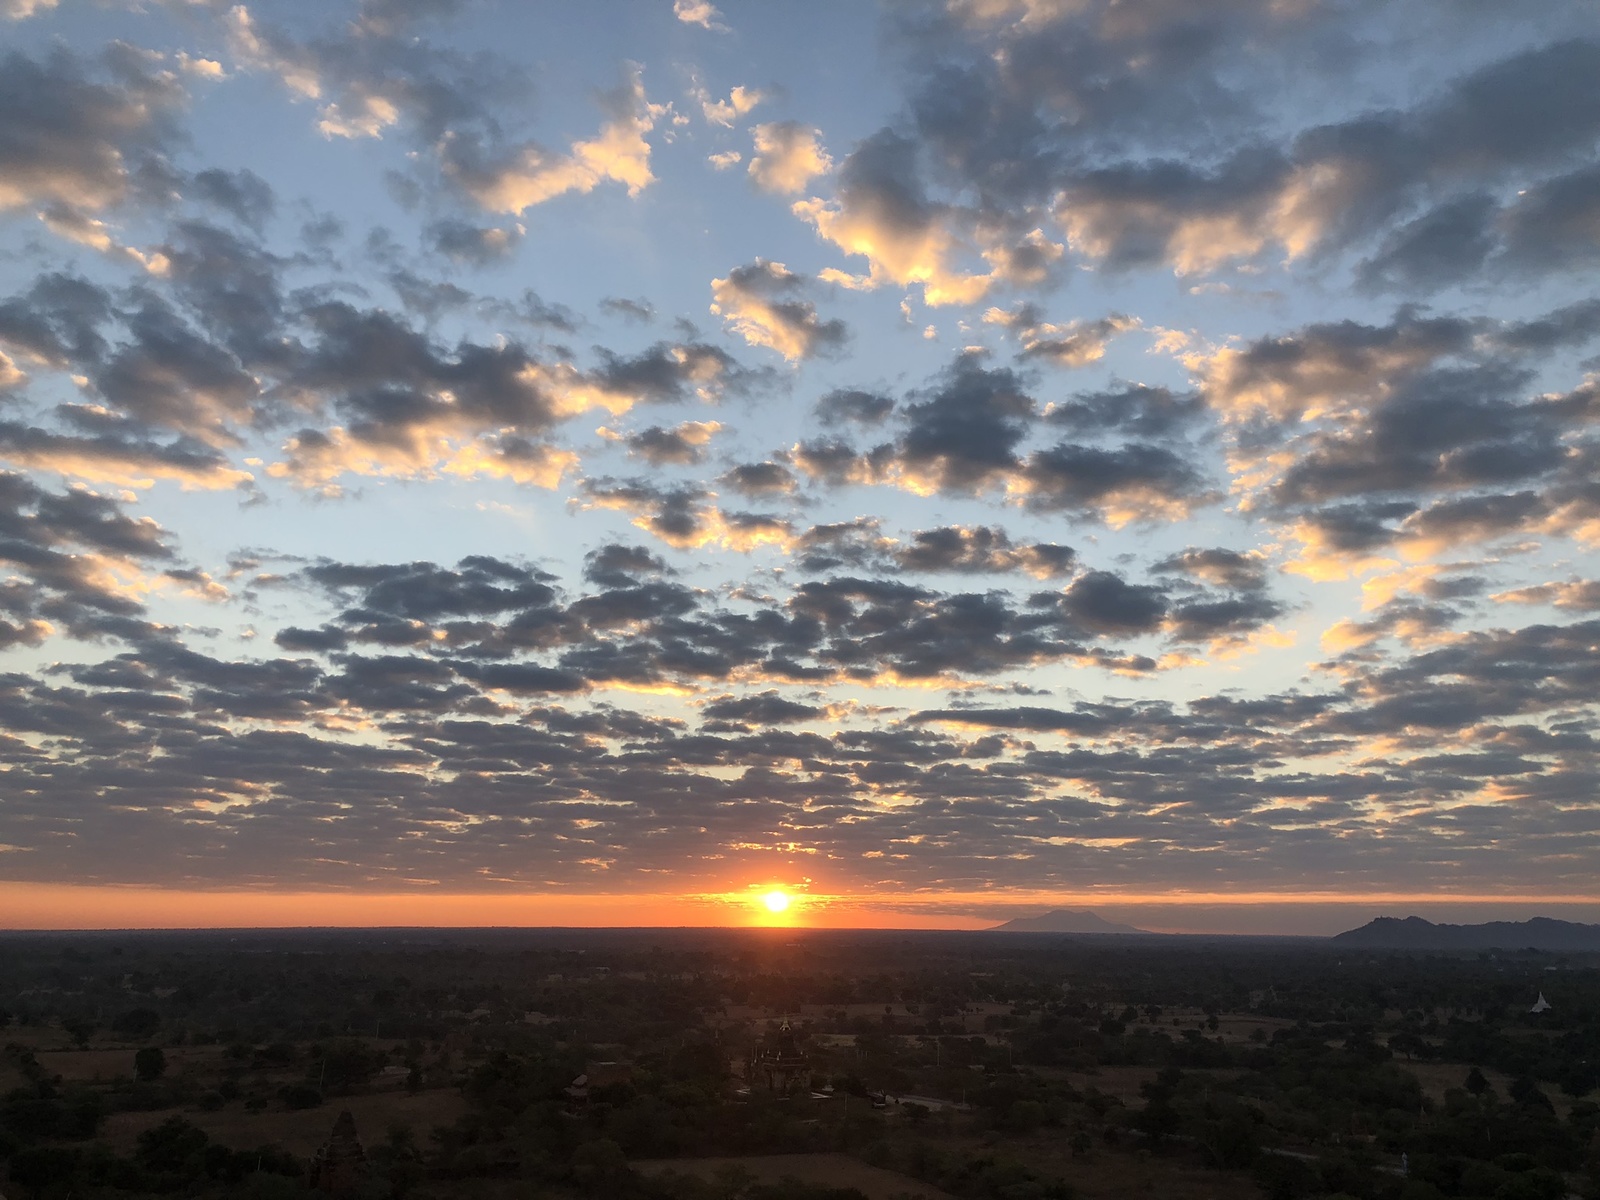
(65, 907)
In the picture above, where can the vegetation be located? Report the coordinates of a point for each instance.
(998, 1067)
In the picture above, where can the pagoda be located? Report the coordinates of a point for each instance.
(341, 1164)
(780, 1058)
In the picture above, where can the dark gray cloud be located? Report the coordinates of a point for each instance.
(1220, 567)
(854, 405)
(241, 194)
(684, 445)
(963, 434)
(953, 549)
(1185, 765)
(1142, 780)
(759, 479)
(676, 372)
(63, 549)
(377, 72)
(1132, 126)
(740, 713)
(618, 566)
(1447, 244)
(1428, 430)
(981, 550)
(82, 140)
(766, 304)
(638, 310)
(226, 350)
(1555, 224)
(1137, 409)
(475, 245)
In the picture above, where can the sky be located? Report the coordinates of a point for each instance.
(474, 463)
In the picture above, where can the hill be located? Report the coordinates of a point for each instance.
(1061, 921)
(1415, 933)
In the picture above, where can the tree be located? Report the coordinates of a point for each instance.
(1477, 1083)
(149, 1063)
(81, 1029)
(137, 1023)
(345, 1064)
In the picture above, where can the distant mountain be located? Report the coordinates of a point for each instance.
(1414, 933)
(1062, 921)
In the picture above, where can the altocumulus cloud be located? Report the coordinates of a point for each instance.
(1065, 454)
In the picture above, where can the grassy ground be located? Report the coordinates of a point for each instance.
(832, 1170)
(1124, 1174)
(304, 1131)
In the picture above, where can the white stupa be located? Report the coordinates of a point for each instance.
(1540, 1005)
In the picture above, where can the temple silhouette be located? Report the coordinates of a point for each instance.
(341, 1164)
(781, 1060)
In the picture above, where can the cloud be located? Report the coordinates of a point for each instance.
(1137, 481)
(759, 479)
(984, 549)
(1137, 409)
(530, 175)
(1220, 567)
(684, 518)
(683, 445)
(1435, 468)
(741, 713)
(1075, 344)
(1134, 135)
(764, 303)
(1555, 225)
(79, 564)
(1580, 594)
(21, 10)
(699, 12)
(963, 435)
(69, 140)
(740, 102)
(1338, 182)
(966, 437)
(788, 155)
(1326, 368)
(464, 242)
(1419, 435)
(375, 75)
(882, 212)
(118, 452)
(75, 226)
(407, 407)
(854, 405)
(242, 194)
(639, 310)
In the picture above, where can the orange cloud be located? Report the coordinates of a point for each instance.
(787, 156)
(619, 153)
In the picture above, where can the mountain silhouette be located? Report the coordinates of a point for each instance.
(1415, 933)
(1062, 921)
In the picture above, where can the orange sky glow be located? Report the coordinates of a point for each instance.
(64, 907)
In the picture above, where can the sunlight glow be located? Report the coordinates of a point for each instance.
(776, 902)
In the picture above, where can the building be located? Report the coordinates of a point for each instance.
(781, 1060)
(341, 1165)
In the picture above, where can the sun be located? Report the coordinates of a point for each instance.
(776, 902)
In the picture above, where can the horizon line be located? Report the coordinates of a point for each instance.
(88, 908)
